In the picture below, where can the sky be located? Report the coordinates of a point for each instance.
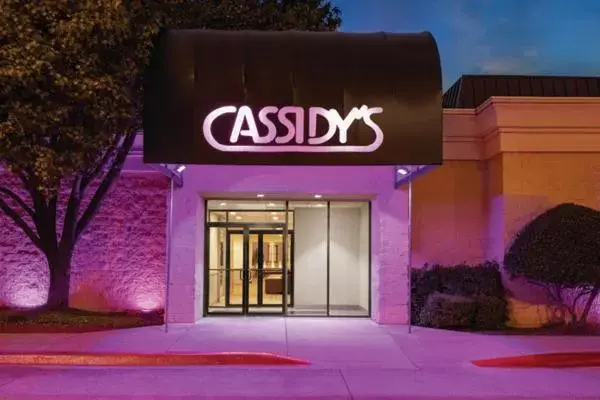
(547, 37)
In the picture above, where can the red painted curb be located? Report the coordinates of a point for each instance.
(115, 359)
(550, 360)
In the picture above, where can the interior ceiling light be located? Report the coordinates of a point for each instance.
(260, 195)
(180, 169)
(402, 171)
(233, 213)
(318, 196)
(275, 218)
(271, 205)
(238, 217)
(223, 204)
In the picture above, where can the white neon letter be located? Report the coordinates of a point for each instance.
(313, 113)
(210, 119)
(344, 123)
(271, 128)
(366, 116)
(293, 131)
(244, 115)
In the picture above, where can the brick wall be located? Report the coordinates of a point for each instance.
(118, 263)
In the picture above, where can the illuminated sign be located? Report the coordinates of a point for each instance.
(297, 138)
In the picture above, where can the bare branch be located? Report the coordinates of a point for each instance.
(88, 178)
(113, 173)
(21, 224)
(18, 200)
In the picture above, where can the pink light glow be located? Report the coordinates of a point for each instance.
(25, 284)
(27, 297)
(147, 302)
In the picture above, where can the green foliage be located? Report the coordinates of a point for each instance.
(461, 280)
(71, 76)
(482, 313)
(266, 15)
(491, 313)
(447, 311)
(70, 71)
(560, 246)
(560, 251)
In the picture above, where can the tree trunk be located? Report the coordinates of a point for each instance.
(60, 271)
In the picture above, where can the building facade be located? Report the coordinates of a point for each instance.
(331, 240)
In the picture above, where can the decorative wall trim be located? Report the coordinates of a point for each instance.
(490, 129)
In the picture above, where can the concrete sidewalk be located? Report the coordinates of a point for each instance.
(350, 358)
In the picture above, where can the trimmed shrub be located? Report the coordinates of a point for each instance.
(559, 250)
(478, 281)
(448, 311)
(491, 313)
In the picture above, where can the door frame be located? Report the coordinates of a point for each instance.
(250, 227)
(260, 282)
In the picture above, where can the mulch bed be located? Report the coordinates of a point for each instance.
(121, 359)
(73, 321)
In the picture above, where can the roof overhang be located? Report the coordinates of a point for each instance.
(194, 73)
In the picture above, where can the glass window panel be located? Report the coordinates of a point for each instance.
(349, 259)
(309, 259)
(217, 272)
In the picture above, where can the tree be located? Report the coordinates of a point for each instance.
(560, 251)
(71, 100)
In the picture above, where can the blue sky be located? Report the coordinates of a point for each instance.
(559, 37)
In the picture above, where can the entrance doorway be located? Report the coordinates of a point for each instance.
(254, 269)
(300, 258)
(250, 259)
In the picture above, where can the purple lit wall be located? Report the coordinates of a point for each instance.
(389, 222)
(118, 263)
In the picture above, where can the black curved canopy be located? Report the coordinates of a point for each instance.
(193, 72)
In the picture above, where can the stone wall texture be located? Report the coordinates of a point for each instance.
(118, 262)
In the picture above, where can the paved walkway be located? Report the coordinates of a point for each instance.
(350, 358)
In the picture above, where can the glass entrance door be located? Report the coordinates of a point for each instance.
(254, 270)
